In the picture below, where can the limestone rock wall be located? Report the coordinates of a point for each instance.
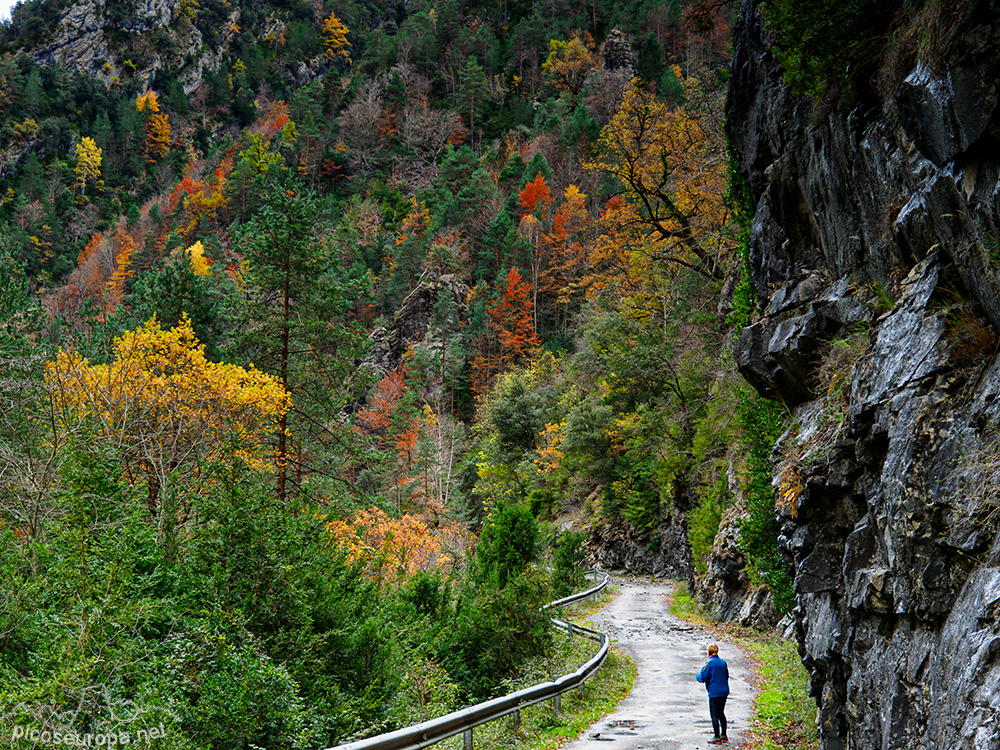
(618, 546)
(880, 224)
(88, 40)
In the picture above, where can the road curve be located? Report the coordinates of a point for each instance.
(668, 708)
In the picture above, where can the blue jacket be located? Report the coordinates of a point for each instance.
(715, 675)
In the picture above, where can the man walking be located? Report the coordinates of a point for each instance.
(715, 675)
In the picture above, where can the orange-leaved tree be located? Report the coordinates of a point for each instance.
(166, 410)
(535, 200)
(389, 548)
(376, 418)
(123, 271)
(535, 197)
(158, 130)
(672, 168)
(206, 200)
(512, 316)
(561, 278)
(511, 336)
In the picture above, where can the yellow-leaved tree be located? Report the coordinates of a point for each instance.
(166, 410)
(569, 63)
(672, 168)
(88, 163)
(147, 102)
(391, 549)
(335, 39)
(158, 129)
(199, 263)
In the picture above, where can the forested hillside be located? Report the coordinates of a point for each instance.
(324, 325)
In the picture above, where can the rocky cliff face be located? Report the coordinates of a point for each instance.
(81, 42)
(877, 232)
(411, 325)
(618, 546)
(153, 36)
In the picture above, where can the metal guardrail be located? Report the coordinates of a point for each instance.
(430, 732)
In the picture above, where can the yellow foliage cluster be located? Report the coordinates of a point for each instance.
(158, 136)
(258, 154)
(163, 405)
(88, 162)
(624, 429)
(390, 549)
(790, 490)
(416, 224)
(206, 202)
(549, 454)
(569, 63)
(25, 130)
(199, 263)
(123, 269)
(147, 102)
(335, 39)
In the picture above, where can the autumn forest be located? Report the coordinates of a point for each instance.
(331, 331)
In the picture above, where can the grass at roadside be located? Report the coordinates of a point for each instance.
(784, 714)
(542, 728)
(586, 608)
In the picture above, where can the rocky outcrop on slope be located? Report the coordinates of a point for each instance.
(82, 42)
(412, 322)
(665, 554)
(154, 36)
(884, 219)
(725, 587)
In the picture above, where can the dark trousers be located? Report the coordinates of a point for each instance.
(717, 709)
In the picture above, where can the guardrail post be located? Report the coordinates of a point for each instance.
(467, 740)
(569, 629)
(517, 718)
(557, 703)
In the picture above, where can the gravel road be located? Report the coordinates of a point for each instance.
(668, 708)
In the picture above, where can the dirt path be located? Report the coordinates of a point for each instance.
(668, 708)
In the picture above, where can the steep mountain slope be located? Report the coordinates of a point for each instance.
(443, 258)
(873, 250)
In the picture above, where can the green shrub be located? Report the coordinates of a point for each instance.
(541, 502)
(507, 543)
(427, 593)
(567, 574)
(496, 629)
(703, 525)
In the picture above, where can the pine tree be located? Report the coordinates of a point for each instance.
(295, 324)
(537, 165)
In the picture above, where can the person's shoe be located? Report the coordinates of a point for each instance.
(716, 741)
(723, 738)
